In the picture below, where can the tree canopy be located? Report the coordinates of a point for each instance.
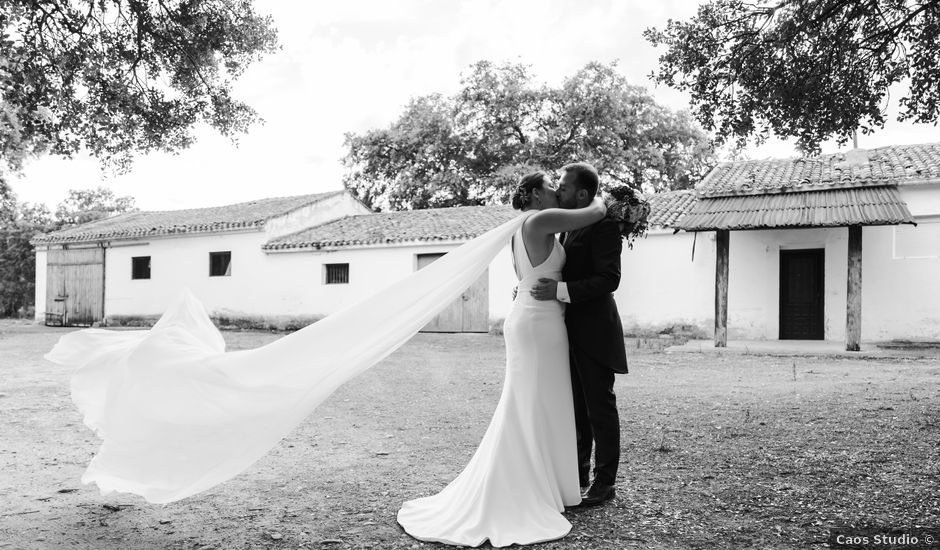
(114, 77)
(471, 148)
(804, 69)
(85, 205)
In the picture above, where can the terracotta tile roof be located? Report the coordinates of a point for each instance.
(831, 208)
(893, 165)
(667, 208)
(231, 217)
(441, 224)
(437, 224)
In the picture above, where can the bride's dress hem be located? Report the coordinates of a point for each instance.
(484, 541)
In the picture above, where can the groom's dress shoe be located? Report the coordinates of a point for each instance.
(598, 494)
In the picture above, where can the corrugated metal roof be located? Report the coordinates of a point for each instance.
(437, 224)
(832, 208)
(893, 165)
(232, 217)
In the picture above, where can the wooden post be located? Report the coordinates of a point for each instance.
(721, 289)
(104, 271)
(853, 313)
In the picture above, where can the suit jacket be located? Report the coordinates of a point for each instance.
(592, 273)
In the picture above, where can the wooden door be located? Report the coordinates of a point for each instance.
(802, 294)
(469, 312)
(75, 285)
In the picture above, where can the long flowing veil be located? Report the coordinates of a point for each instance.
(178, 415)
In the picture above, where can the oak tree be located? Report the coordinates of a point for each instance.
(471, 148)
(116, 77)
(804, 69)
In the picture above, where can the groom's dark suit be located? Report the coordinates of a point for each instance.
(595, 337)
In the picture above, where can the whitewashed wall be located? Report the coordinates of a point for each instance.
(923, 199)
(183, 262)
(754, 279)
(900, 295)
(299, 275)
(661, 285)
(338, 206)
(179, 261)
(901, 281)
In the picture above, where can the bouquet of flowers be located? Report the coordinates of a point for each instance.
(629, 210)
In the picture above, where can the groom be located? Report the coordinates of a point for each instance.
(595, 335)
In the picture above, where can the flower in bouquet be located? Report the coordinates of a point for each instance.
(629, 210)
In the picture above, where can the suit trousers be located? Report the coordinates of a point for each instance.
(596, 418)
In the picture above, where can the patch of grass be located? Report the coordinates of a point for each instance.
(226, 321)
(277, 323)
(131, 320)
(682, 332)
(910, 345)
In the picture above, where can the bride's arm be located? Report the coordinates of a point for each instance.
(556, 220)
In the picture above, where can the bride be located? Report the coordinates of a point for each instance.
(525, 471)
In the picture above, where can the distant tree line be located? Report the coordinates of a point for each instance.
(21, 221)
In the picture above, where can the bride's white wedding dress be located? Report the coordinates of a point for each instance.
(525, 470)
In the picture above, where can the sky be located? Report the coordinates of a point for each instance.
(353, 65)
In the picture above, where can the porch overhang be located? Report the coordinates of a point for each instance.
(799, 209)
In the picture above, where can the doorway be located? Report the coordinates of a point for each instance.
(469, 312)
(802, 293)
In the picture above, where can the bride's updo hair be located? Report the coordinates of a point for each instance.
(523, 193)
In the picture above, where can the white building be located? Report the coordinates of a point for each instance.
(785, 241)
(787, 226)
(132, 265)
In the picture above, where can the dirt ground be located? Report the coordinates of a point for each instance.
(744, 451)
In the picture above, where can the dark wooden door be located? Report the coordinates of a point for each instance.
(75, 285)
(802, 294)
(469, 312)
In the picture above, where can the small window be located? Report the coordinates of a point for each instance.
(336, 274)
(220, 264)
(140, 267)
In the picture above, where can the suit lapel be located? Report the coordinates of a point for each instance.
(573, 236)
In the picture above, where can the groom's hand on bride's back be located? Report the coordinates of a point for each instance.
(545, 289)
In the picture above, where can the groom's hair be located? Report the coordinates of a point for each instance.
(585, 177)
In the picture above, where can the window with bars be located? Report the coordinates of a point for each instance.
(336, 274)
(220, 264)
(140, 267)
